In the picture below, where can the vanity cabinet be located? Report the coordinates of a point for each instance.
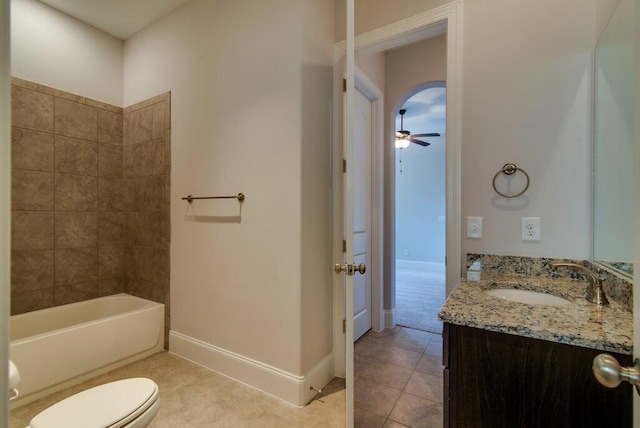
(501, 380)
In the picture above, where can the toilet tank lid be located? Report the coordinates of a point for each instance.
(101, 406)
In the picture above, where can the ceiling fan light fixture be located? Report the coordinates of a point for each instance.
(402, 143)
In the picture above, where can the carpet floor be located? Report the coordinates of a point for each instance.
(419, 296)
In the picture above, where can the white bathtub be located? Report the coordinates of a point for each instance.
(58, 347)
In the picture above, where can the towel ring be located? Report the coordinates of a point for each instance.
(510, 169)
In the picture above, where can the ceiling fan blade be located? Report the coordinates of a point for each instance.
(432, 134)
(422, 143)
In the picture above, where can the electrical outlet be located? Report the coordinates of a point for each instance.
(531, 228)
(474, 227)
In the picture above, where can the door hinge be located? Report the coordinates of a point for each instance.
(344, 165)
(344, 326)
(344, 85)
(344, 245)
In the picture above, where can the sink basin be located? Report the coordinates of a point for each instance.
(528, 297)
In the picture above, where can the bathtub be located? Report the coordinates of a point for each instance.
(59, 347)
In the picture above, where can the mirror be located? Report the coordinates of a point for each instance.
(613, 147)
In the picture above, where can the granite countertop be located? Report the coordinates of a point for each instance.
(582, 323)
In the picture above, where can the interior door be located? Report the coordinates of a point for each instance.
(348, 194)
(362, 135)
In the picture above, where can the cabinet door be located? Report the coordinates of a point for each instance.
(501, 380)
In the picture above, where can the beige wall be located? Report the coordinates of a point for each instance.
(373, 66)
(54, 49)
(526, 99)
(250, 103)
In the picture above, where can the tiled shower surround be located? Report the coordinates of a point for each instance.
(90, 198)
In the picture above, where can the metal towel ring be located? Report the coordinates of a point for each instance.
(510, 169)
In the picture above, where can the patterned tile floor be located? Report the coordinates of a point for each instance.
(398, 379)
(398, 383)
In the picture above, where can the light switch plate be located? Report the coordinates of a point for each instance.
(474, 227)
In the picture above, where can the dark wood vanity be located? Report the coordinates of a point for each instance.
(497, 380)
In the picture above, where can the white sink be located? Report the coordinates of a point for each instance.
(528, 297)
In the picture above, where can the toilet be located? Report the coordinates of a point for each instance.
(128, 403)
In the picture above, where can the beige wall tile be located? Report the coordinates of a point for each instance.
(24, 83)
(31, 109)
(31, 190)
(107, 287)
(31, 150)
(103, 106)
(138, 126)
(109, 127)
(144, 159)
(32, 230)
(150, 264)
(148, 193)
(31, 270)
(111, 260)
(76, 193)
(76, 265)
(76, 229)
(61, 94)
(110, 161)
(167, 147)
(75, 293)
(76, 120)
(115, 195)
(149, 229)
(76, 156)
(159, 121)
(111, 228)
(28, 301)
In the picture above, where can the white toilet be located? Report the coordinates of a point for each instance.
(128, 403)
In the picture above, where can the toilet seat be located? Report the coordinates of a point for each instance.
(113, 405)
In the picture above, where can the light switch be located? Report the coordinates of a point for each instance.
(474, 227)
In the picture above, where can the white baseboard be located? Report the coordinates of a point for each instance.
(423, 266)
(389, 319)
(293, 389)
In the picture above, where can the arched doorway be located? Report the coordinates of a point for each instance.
(420, 207)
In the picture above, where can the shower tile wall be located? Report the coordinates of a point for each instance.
(147, 138)
(90, 202)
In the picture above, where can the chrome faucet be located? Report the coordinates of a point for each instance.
(594, 292)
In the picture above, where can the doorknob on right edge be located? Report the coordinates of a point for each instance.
(609, 372)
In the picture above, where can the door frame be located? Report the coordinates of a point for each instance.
(415, 28)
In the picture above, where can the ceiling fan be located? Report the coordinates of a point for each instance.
(404, 137)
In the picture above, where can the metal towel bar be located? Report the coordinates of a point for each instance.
(239, 197)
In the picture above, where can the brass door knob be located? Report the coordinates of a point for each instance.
(361, 268)
(339, 268)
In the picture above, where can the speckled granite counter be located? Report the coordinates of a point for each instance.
(579, 324)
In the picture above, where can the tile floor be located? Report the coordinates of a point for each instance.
(398, 383)
(194, 397)
(398, 379)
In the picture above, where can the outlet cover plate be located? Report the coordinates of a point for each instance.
(531, 228)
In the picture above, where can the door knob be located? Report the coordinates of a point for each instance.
(609, 372)
(350, 269)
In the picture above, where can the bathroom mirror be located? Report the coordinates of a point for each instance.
(613, 147)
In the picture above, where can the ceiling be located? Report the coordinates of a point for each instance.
(120, 18)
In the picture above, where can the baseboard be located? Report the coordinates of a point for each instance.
(389, 319)
(293, 389)
(423, 266)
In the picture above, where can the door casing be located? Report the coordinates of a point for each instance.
(402, 32)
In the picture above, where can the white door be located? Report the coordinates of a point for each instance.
(361, 164)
